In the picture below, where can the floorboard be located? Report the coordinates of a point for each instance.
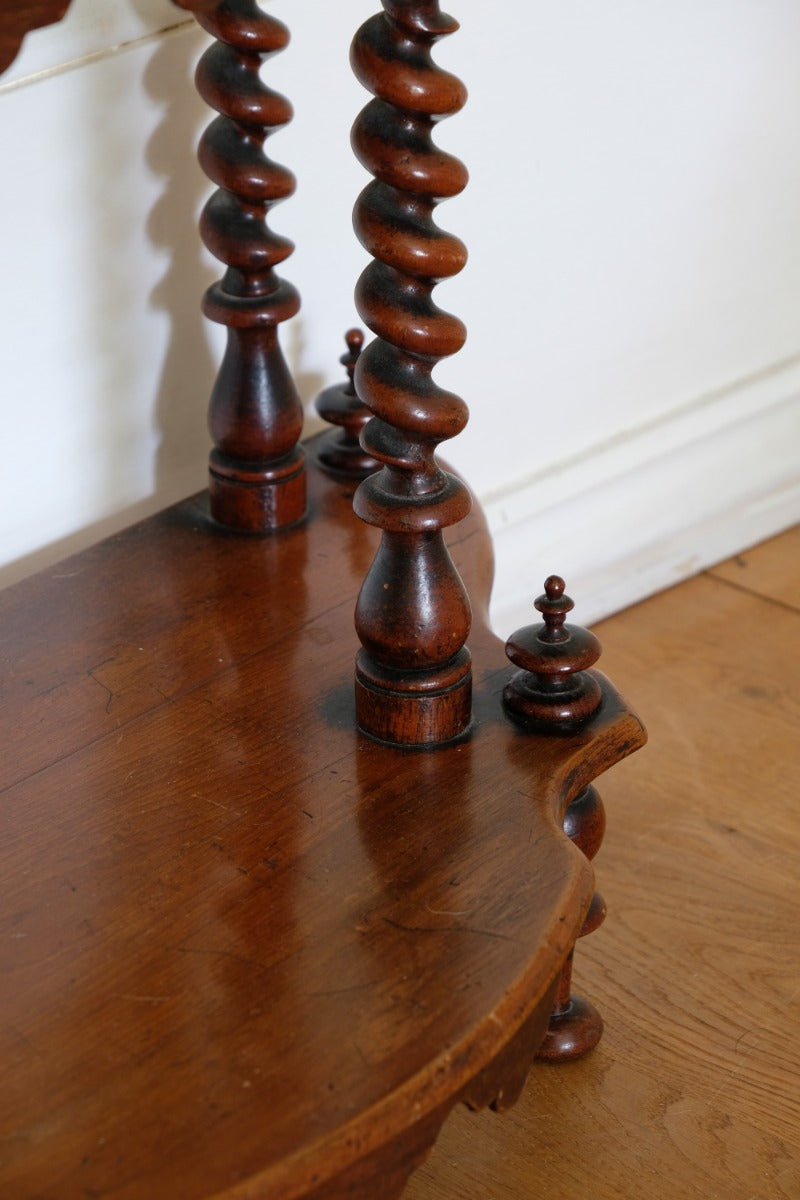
(771, 570)
(695, 1089)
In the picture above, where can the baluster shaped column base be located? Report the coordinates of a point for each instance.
(414, 710)
(253, 499)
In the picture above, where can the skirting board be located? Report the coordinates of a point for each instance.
(654, 506)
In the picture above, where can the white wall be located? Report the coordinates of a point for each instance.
(633, 366)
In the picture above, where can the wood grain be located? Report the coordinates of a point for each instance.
(246, 950)
(771, 570)
(695, 1089)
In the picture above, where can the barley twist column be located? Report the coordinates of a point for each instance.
(413, 674)
(256, 470)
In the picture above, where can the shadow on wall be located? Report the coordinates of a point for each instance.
(131, 399)
(174, 399)
(188, 369)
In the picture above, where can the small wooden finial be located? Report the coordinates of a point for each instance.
(554, 688)
(340, 451)
(554, 606)
(354, 338)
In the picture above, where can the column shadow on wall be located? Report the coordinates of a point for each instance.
(188, 370)
(190, 365)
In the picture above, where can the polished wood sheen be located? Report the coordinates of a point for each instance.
(247, 950)
(556, 691)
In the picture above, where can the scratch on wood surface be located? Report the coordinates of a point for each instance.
(216, 803)
(99, 682)
(489, 933)
(141, 999)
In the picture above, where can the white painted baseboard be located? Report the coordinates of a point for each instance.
(653, 505)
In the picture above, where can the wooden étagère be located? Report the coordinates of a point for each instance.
(260, 930)
(247, 949)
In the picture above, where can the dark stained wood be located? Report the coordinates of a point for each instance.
(245, 949)
(17, 19)
(556, 691)
(575, 1025)
(340, 451)
(413, 678)
(256, 470)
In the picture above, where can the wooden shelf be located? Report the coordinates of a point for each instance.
(246, 949)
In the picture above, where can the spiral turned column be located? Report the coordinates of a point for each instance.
(256, 469)
(413, 674)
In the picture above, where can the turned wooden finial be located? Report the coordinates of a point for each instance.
(256, 470)
(413, 675)
(555, 691)
(554, 688)
(354, 340)
(340, 450)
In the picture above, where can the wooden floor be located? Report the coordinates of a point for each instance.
(695, 1089)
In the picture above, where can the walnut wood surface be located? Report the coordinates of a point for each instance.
(17, 19)
(247, 950)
